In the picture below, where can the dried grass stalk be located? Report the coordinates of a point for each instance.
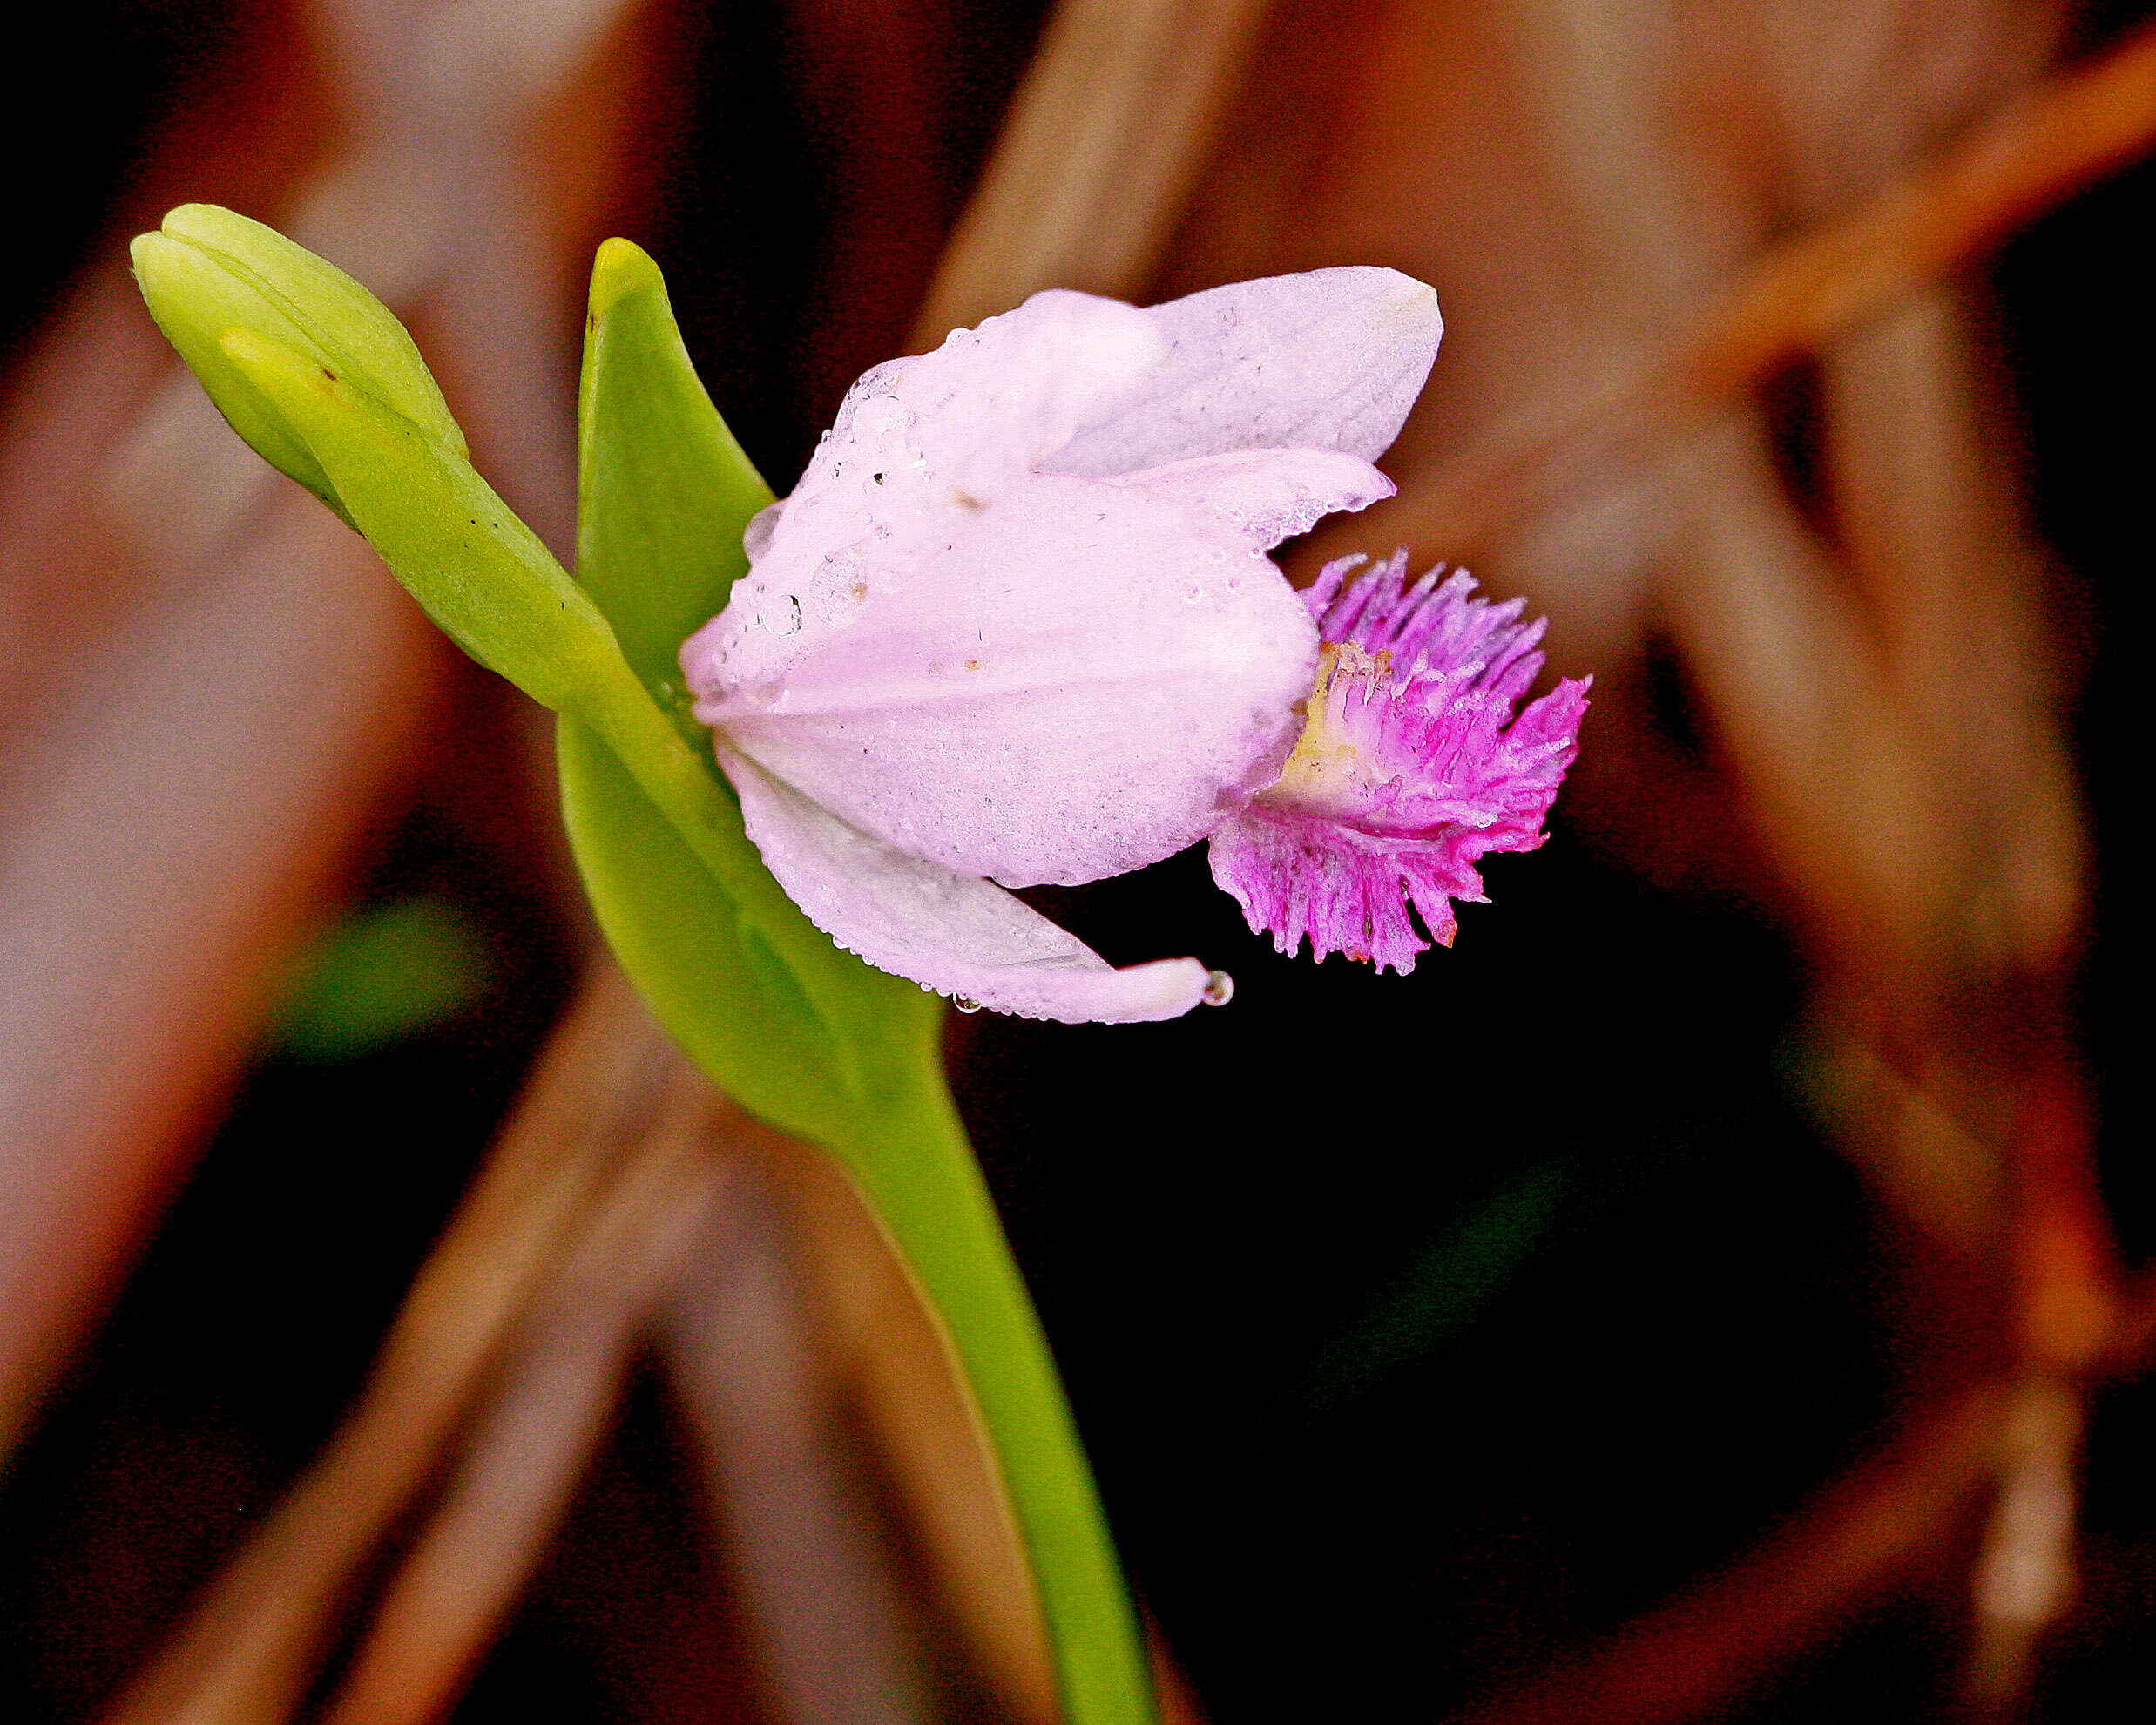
(545, 1414)
(1104, 139)
(596, 1111)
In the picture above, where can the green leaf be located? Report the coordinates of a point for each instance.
(712, 976)
(663, 490)
(730, 964)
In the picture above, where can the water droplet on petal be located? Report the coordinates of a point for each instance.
(964, 1004)
(1220, 989)
(784, 618)
(928, 988)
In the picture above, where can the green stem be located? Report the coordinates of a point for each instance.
(921, 1181)
(927, 1188)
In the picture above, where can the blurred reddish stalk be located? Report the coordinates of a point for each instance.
(598, 1150)
(211, 686)
(1868, 1531)
(1799, 296)
(1097, 156)
(563, 1339)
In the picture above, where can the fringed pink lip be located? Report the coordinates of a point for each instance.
(1411, 768)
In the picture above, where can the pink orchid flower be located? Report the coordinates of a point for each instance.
(1016, 625)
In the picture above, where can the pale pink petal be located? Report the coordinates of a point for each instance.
(1412, 766)
(956, 934)
(920, 448)
(1083, 682)
(1266, 495)
(1330, 359)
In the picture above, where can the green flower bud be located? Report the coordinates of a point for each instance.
(207, 272)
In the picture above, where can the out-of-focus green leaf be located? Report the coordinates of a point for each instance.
(380, 976)
(1439, 1296)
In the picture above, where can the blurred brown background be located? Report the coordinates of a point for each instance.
(1717, 1289)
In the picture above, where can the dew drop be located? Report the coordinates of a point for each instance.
(782, 620)
(928, 988)
(964, 1004)
(1220, 989)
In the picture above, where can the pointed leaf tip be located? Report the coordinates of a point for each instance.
(664, 491)
(622, 267)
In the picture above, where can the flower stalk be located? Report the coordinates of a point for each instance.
(1017, 624)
